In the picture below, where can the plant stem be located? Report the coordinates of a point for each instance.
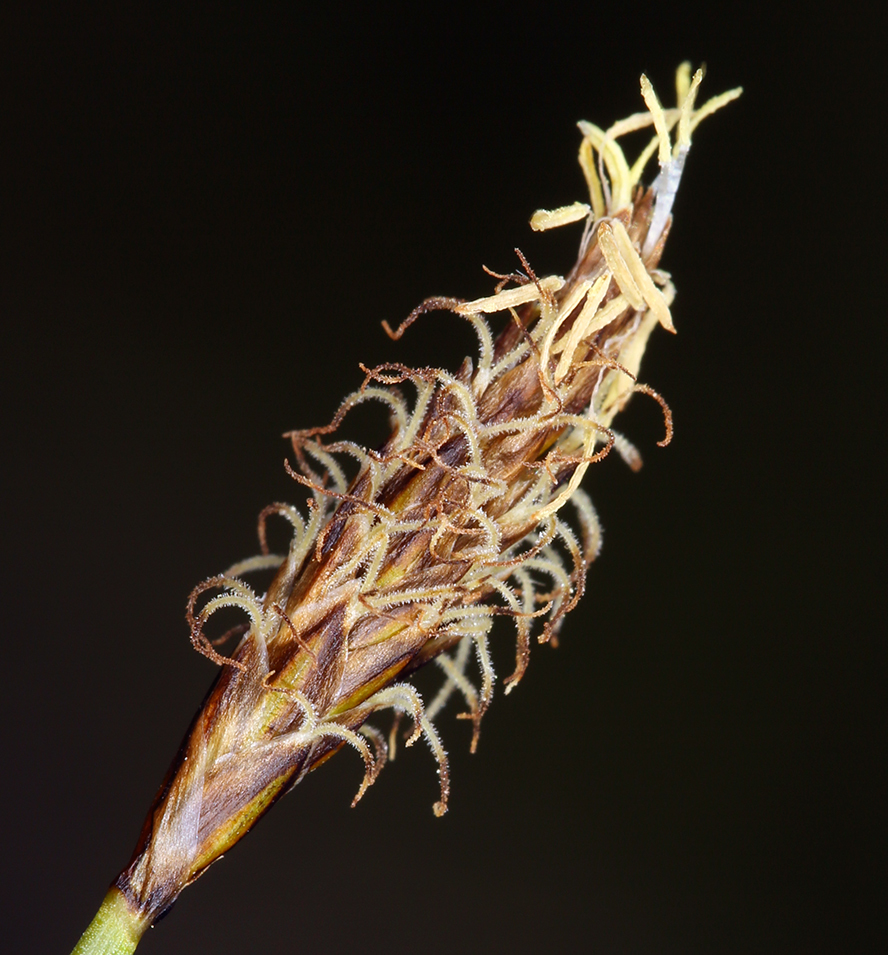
(116, 929)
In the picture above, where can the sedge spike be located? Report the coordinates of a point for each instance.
(459, 517)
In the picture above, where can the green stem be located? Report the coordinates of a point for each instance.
(115, 930)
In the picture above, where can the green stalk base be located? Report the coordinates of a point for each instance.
(116, 929)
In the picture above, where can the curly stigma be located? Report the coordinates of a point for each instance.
(406, 553)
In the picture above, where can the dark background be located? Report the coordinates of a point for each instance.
(205, 216)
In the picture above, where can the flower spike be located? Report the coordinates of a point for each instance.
(409, 551)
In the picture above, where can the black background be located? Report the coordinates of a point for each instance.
(205, 216)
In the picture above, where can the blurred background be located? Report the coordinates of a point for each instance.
(205, 217)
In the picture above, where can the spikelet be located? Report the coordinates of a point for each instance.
(458, 518)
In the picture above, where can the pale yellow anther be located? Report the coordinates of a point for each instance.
(573, 299)
(711, 105)
(618, 266)
(618, 387)
(651, 294)
(581, 327)
(544, 219)
(614, 162)
(593, 183)
(682, 81)
(653, 104)
(683, 140)
(512, 297)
